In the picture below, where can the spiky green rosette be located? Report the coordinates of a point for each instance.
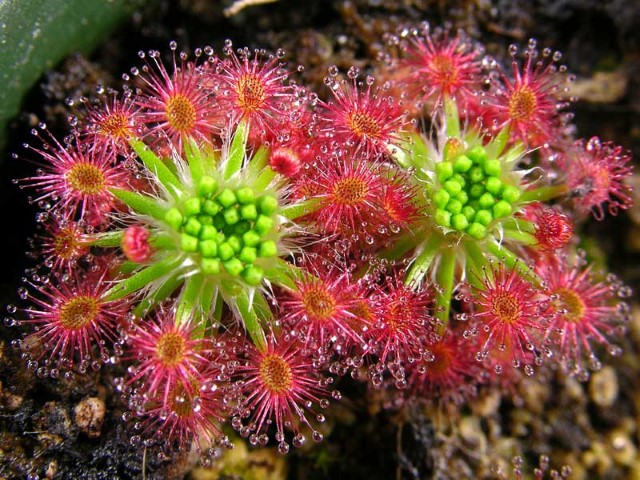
(473, 194)
(216, 226)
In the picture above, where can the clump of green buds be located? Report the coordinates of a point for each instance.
(471, 193)
(226, 229)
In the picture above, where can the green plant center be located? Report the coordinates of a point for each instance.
(86, 178)
(276, 374)
(471, 194)
(79, 312)
(226, 230)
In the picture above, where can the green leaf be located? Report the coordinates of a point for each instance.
(141, 279)
(36, 34)
(194, 159)
(300, 209)
(251, 321)
(108, 239)
(140, 203)
(237, 150)
(165, 176)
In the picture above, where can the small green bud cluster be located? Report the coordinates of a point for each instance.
(471, 193)
(225, 229)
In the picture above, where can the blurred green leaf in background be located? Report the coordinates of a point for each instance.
(36, 34)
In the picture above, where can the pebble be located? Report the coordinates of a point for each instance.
(623, 450)
(89, 416)
(603, 387)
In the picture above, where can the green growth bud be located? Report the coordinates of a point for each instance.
(191, 206)
(231, 216)
(469, 212)
(251, 238)
(211, 207)
(462, 197)
(192, 227)
(476, 174)
(263, 224)
(484, 217)
(174, 218)
(208, 232)
(492, 168)
(476, 190)
(249, 212)
(210, 266)
(452, 186)
(235, 243)
(444, 171)
(477, 154)
(253, 275)
(477, 231)
(233, 267)
(267, 249)
(502, 209)
(494, 185)
(443, 218)
(462, 164)
(208, 248)
(207, 186)
(510, 193)
(486, 201)
(454, 206)
(248, 255)
(268, 205)
(225, 251)
(245, 196)
(188, 243)
(227, 198)
(441, 198)
(459, 222)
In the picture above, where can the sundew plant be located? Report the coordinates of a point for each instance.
(231, 243)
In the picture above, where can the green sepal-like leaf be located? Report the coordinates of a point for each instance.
(194, 159)
(143, 204)
(250, 320)
(107, 239)
(423, 262)
(258, 162)
(283, 274)
(300, 209)
(149, 302)
(237, 151)
(141, 279)
(36, 34)
(188, 304)
(164, 175)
